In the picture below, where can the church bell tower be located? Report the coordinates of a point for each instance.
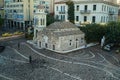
(39, 20)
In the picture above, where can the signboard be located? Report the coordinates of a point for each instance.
(20, 16)
(17, 16)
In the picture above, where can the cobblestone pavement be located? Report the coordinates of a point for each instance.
(86, 64)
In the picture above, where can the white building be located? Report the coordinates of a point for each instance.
(61, 11)
(90, 12)
(111, 1)
(95, 12)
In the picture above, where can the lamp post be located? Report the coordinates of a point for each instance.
(14, 17)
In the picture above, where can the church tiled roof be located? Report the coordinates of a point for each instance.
(67, 33)
(63, 29)
(61, 25)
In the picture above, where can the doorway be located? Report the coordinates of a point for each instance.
(53, 47)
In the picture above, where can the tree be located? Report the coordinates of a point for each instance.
(50, 19)
(113, 33)
(93, 32)
(1, 22)
(70, 11)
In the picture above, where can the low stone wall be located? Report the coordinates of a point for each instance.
(12, 37)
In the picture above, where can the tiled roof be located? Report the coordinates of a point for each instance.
(60, 2)
(63, 29)
(61, 25)
(95, 1)
(67, 33)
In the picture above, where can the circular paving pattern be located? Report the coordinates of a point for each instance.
(87, 64)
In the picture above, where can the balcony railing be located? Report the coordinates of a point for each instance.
(85, 11)
(62, 12)
(111, 12)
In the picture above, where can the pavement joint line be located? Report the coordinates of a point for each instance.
(115, 59)
(19, 53)
(73, 63)
(104, 58)
(78, 78)
(109, 55)
(5, 77)
(13, 59)
(80, 57)
(100, 56)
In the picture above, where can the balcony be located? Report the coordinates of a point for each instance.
(111, 12)
(62, 12)
(85, 11)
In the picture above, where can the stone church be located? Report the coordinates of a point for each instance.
(58, 36)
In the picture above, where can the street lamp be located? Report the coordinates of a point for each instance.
(14, 17)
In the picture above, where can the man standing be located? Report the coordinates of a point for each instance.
(18, 45)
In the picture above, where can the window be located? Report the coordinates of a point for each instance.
(102, 7)
(94, 7)
(85, 8)
(77, 18)
(77, 8)
(57, 8)
(85, 18)
(70, 42)
(63, 17)
(63, 8)
(105, 8)
(39, 44)
(101, 18)
(93, 19)
(82, 40)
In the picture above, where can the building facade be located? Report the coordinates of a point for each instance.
(1, 8)
(48, 5)
(88, 12)
(111, 1)
(61, 11)
(61, 37)
(95, 12)
(20, 13)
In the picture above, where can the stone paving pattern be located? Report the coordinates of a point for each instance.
(86, 64)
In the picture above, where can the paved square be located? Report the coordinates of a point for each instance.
(87, 64)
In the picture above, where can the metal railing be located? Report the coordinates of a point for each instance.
(85, 11)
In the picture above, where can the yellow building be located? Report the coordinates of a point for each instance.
(20, 13)
(1, 8)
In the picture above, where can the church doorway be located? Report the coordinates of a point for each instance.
(39, 44)
(46, 45)
(76, 43)
(53, 47)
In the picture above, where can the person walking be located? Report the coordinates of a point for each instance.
(30, 59)
(18, 45)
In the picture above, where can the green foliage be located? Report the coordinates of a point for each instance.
(70, 11)
(29, 36)
(94, 32)
(1, 22)
(113, 33)
(50, 19)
